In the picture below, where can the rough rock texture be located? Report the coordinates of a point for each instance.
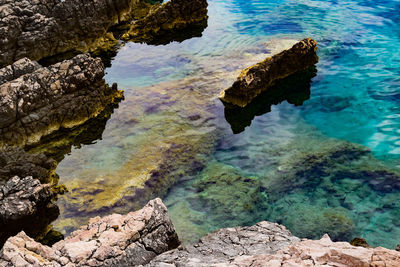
(115, 240)
(169, 17)
(226, 244)
(270, 244)
(16, 162)
(21, 198)
(258, 78)
(16, 70)
(26, 204)
(42, 28)
(62, 95)
(322, 252)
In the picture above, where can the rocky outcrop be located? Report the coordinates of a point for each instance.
(49, 98)
(169, 18)
(43, 28)
(16, 162)
(25, 203)
(115, 240)
(260, 77)
(294, 89)
(270, 244)
(226, 244)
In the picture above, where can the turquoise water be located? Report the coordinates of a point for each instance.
(328, 163)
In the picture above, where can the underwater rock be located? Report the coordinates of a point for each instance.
(228, 196)
(26, 204)
(38, 29)
(295, 89)
(360, 242)
(115, 240)
(49, 98)
(260, 77)
(173, 20)
(16, 162)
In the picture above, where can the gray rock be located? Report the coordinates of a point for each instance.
(20, 198)
(16, 162)
(43, 28)
(227, 244)
(65, 94)
(115, 240)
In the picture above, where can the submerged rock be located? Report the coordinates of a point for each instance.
(49, 98)
(115, 240)
(260, 77)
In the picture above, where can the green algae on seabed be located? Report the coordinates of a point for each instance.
(169, 131)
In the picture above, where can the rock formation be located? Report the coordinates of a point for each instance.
(115, 240)
(25, 202)
(270, 244)
(169, 18)
(16, 162)
(294, 89)
(260, 77)
(43, 28)
(49, 98)
(39, 29)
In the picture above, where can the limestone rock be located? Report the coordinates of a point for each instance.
(227, 244)
(258, 78)
(115, 240)
(43, 28)
(62, 95)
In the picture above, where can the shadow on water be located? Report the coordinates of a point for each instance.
(295, 89)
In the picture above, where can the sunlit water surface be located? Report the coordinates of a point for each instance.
(171, 120)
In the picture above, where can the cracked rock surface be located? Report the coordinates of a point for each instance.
(15, 161)
(42, 28)
(115, 240)
(226, 244)
(38, 103)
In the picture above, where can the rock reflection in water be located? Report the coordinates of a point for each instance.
(295, 89)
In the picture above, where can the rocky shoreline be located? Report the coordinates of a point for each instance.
(147, 237)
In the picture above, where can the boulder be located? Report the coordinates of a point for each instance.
(62, 95)
(115, 240)
(262, 76)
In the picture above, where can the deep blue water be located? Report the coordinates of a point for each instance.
(262, 172)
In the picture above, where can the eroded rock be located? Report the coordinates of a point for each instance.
(62, 95)
(115, 240)
(168, 19)
(26, 204)
(260, 77)
(43, 28)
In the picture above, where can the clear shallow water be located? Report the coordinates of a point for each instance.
(292, 165)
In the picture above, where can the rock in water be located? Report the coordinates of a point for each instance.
(63, 95)
(260, 77)
(163, 24)
(115, 240)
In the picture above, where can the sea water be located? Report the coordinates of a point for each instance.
(326, 164)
